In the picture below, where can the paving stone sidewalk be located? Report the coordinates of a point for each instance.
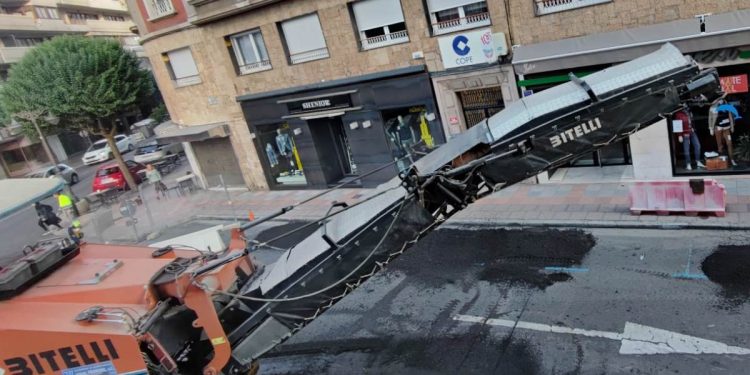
(582, 205)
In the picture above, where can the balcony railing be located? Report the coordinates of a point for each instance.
(456, 24)
(112, 5)
(553, 6)
(385, 40)
(10, 55)
(255, 67)
(315, 54)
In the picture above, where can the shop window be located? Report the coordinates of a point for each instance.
(408, 133)
(712, 138)
(280, 154)
(249, 51)
(380, 23)
(181, 67)
(447, 16)
(46, 13)
(304, 39)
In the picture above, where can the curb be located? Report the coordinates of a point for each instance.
(551, 224)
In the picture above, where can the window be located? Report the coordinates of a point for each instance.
(250, 52)
(553, 6)
(282, 159)
(80, 18)
(408, 133)
(158, 8)
(304, 39)
(46, 13)
(114, 18)
(182, 67)
(448, 16)
(380, 23)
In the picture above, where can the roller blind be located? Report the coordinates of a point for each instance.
(438, 5)
(372, 14)
(303, 34)
(182, 63)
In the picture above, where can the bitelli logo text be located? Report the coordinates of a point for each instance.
(575, 132)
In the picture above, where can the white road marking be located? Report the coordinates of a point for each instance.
(636, 338)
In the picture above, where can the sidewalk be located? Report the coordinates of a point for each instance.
(579, 205)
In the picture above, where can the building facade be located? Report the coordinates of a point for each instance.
(295, 93)
(26, 23)
(315, 93)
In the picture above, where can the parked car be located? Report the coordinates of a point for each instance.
(151, 151)
(109, 176)
(65, 171)
(99, 151)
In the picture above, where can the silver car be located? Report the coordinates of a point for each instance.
(151, 151)
(65, 171)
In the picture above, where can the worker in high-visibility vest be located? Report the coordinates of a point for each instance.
(65, 203)
(75, 232)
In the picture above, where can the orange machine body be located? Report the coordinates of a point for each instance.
(42, 330)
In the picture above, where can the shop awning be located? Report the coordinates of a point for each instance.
(18, 193)
(172, 133)
(721, 30)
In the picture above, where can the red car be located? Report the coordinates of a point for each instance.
(109, 176)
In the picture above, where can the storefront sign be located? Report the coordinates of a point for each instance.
(734, 84)
(470, 48)
(320, 104)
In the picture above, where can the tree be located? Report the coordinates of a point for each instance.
(85, 83)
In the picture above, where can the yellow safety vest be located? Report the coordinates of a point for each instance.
(64, 201)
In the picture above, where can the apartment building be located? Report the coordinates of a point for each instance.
(300, 93)
(26, 23)
(313, 93)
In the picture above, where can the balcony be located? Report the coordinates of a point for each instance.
(18, 22)
(110, 5)
(463, 23)
(255, 67)
(306, 56)
(553, 6)
(10, 55)
(385, 40)
(105, 27)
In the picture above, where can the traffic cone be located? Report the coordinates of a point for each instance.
(251, 215)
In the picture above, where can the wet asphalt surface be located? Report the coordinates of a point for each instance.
(402, 320)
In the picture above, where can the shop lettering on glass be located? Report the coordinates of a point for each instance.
(54, 360)
(319, 104)
(575, 132)
(734, 84)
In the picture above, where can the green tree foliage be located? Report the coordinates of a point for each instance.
(84, 82)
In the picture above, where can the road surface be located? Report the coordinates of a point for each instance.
(541, 301)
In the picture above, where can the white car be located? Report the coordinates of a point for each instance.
(99, 151)
(65, 171)
(151, 151)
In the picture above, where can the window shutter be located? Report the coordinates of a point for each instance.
(372, 14)
(182, 63)
(303, 34)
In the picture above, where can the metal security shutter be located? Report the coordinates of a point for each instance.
(182, 63)
(372, 14)
(303, 34)
(481, 104)
(438, 5)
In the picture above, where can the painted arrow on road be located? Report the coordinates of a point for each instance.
(636, 338)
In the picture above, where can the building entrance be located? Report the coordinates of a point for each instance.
(334, 150)
(480, 104)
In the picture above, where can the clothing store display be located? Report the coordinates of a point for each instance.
(284, 143)
(271, 154)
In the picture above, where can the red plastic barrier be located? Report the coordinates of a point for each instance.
(664, 197)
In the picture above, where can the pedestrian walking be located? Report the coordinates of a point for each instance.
(46, 216)
(154, 178)
(65, 204)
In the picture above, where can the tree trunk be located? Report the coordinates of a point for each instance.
(110, 137)
(50, 155)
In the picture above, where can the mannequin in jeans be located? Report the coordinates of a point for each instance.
(688, 138)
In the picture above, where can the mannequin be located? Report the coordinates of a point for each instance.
(721, 125)
(688, 137)
(284, 144)
(271, 153)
